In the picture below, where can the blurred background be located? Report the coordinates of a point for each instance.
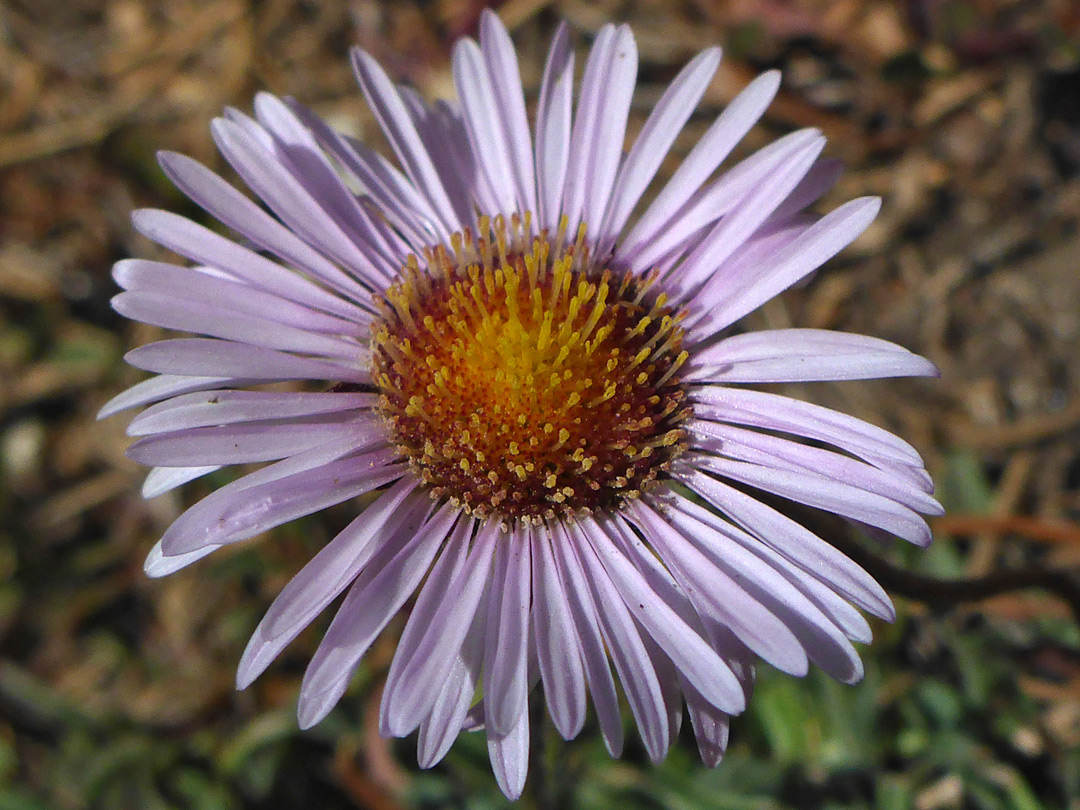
(117, 691)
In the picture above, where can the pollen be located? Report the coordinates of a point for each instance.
(525, 382)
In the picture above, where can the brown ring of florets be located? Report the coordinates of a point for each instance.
(523, 383)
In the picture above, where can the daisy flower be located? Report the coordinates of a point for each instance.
(532, 374)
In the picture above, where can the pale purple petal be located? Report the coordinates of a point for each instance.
(378, 593)
(797, 543)
(412, 690)
(195, 357)
(721, 598)
(232, 208)
(162, 387)
(509, 754)
(202, 245)
(240, 514)
(252, 442)
(159, 565)
(657, 135)
(502, 67)
(627, 650)
(165, 479)
(590, 108)
(505, 657)
(690, 653)
(553, 121)
(721, 197)
(715, 145)
(557, 645)
(730, 297)
(746, 216)
(441, 727)
(796, 355)
(773, 451)
(393, 118)
(760, 409)
(593, 655)
(327, 574)
(831, 496)
(202, 409)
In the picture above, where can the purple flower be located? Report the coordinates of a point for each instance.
(540, 389)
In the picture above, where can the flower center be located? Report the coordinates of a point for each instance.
(520, 381)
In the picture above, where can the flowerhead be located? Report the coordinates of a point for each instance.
(533, 373)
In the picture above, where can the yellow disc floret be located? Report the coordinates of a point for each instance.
(522, 382)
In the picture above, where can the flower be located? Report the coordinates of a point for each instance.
(546, 401)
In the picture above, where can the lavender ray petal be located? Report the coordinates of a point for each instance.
(294, 205)
(394, 120)
(379, 592)
(733, 297)
(775, 412)
(263, 506)
(405, 207)
(590, 637)
(709, 152)
(224, 407)
(746, 216)
(159, 565)
(408, 697)
(590, 108)
(162, 387)
(441, 727)
(797, 543)
(482, 122)
(502, 67)
(688, 651)
(557, 645)
(805, 354)
(664, 124)
(509, 755)
(721, 598)
(328, 573)
(610, 132)
(553, 120)
(232, 208)
(822, 493)
(165, 479)
(715, 201)
(206, 357)
(639, 678)
(140, 275)
(825, 643)
(202, 245)
(506, 650)
(172, 312)
(784, 454)
(250, 442)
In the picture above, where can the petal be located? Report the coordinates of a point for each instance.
(393, 118)
(690, 653)
(198, 357)
(556, 641)
(803, 355)
(378, 593)
(203, 409)
(411, 690)
(229, 206)
(657, 135)
(715, 145)
(796, 543)
(593, 655)
(505, 655)
(553, 120)
(327, 574)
